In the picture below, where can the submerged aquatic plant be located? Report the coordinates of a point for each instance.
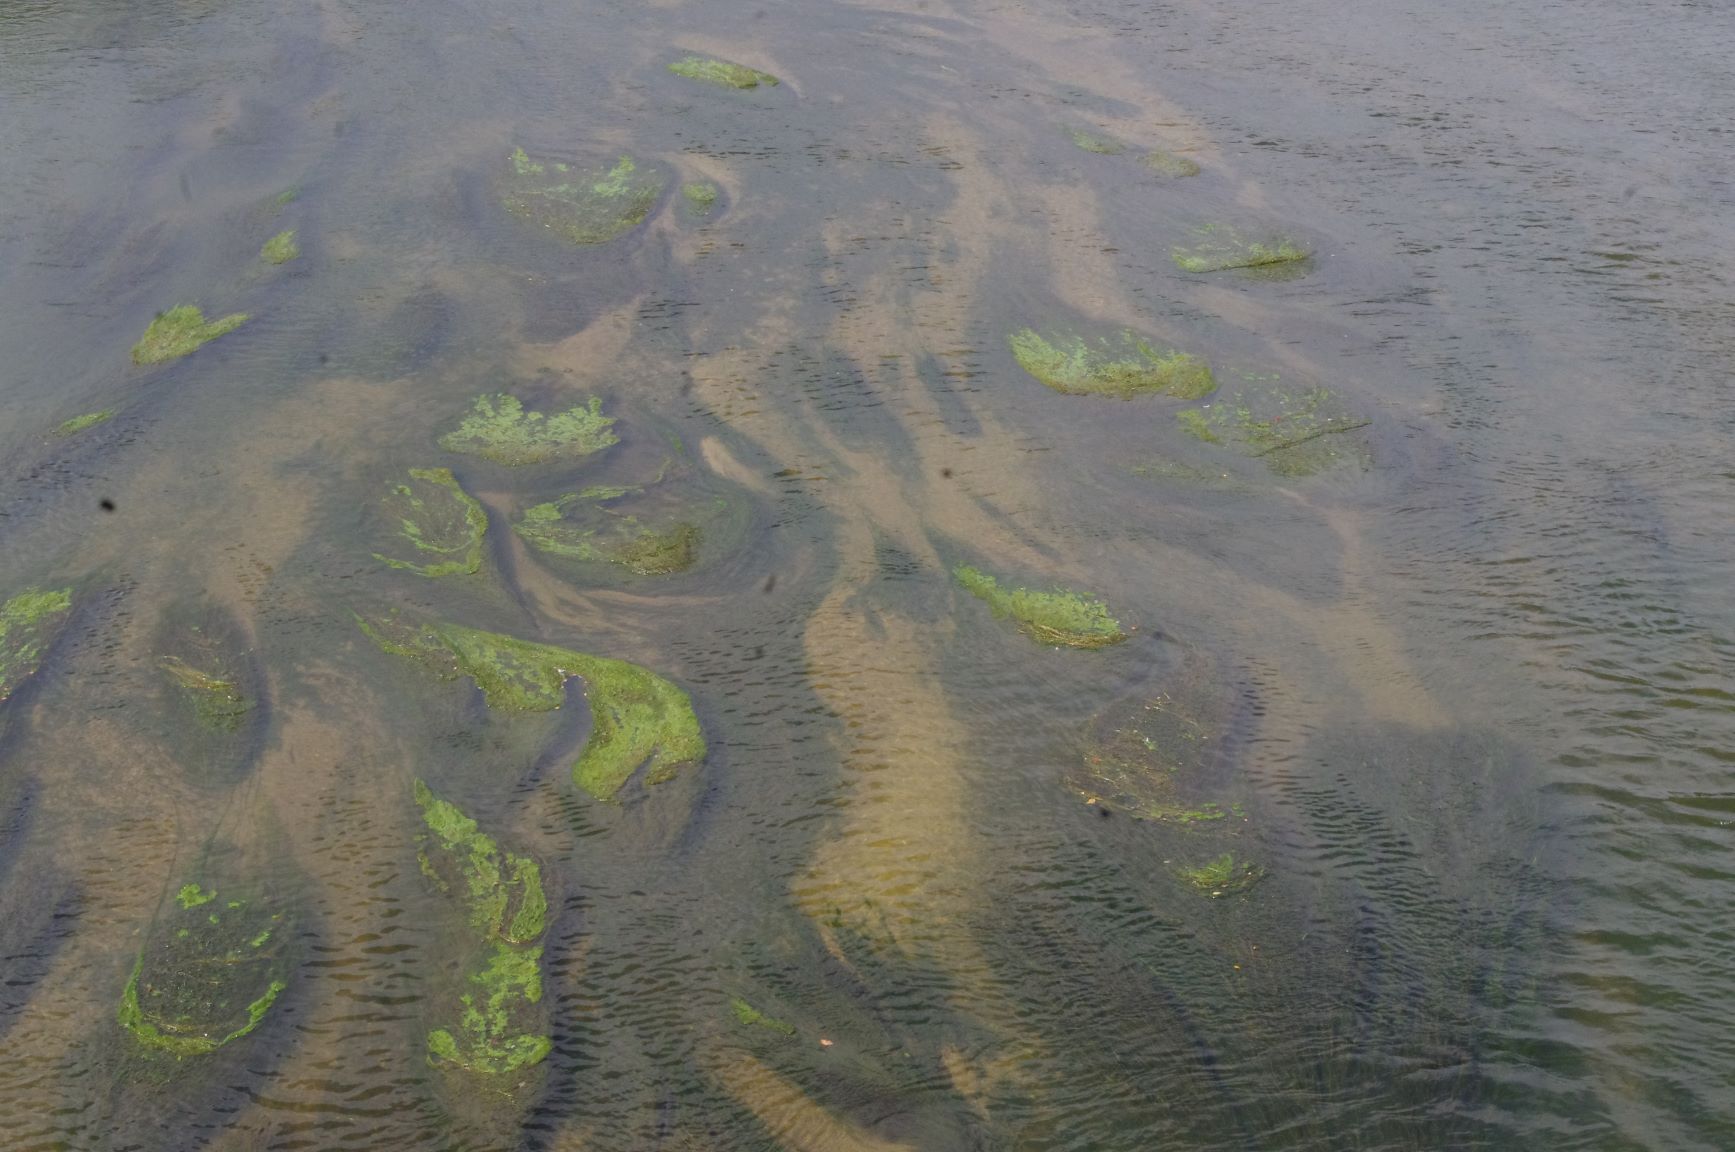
(1223, 875)
(1055, 617)
(581, 526)
(1072, 365)
(701, 196)
(498, 1030)
(1169, 164)
(440, 520)
(281, 248)
(721, 72)
(1295, 433)
(28, 624)
(217, 703)
(638, 718)
(179, 331)
(1091, 142)
(1217, 247)
(79, 423)
(746, 1014)
(584, 207)
(207, 975)
(499, 429)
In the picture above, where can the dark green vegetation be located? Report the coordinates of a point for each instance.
(1216, 247)
(1222, 876)
(584, 526)
(179, 331)
(28, 624)
(1091, 142)
(638, 718)
(210, 971)
(1056, 617)
(218, 703)
(499, 429)
(1169, 164)
(1161, 759)
(442, 523)
(1296, 433)
(1125, 368)
(721, 72)
(281, 248)
(701, 196)
(79, 423)
(584, 207)
(746, 1014)
(500, 1028)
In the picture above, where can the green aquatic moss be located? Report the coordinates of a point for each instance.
(1169, 164)
(281, 248)
(504, 890)
(746, 1014)
(1056, 617)
(217, 703)
(1091, 142)
(1072, 365)
(638, 719)
(582, 527)
(489, 1038)
(179, 331)
(79, 423)
(499, 429)
(700, 196)
(584, 207)
(1295, 433)
(286, 197)
(203, 979)
(28, 624)
(1222, 876)
(1217, 247)
(721, 72)
(439, 520)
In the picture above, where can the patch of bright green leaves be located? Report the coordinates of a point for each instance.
(1059, 616)
(281, 248)
(179, 331)
(1223, 875)
(1075, 366)
(721, 72)
(79, 423)
(443, 524)
(701, 196)
(499, 429)
(1216, 247)
(28, 624)
(746, 1014)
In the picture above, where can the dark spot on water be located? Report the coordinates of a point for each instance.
(946, 473)
(770, 583)
(1102, 810)
(324, 359)
(106, 504)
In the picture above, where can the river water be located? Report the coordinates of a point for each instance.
(1466, 696)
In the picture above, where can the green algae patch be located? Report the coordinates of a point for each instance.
(206, 977)
(1059, 616)
(1295, 433)
(281, 248)
(218, 703)
(29, 622)
(1127, 367)
(1216, 247)
(179, 331)
(442, 524)
(701, 196)
(639, 720)
(78, 424)
(286, 197)
(499, 429)
(1169, 164)
(1091, 142)
(721, 72)
(745, 1013)
(1222, 876)
(499, 1029)
(585, 526)
(583, 206)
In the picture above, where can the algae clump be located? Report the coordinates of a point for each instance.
(443, 524)
(28, 624)
(1217, 247)
(638, 718)
(281, 248)
(217, 703)
(581, 526)
(584, 207)
(179, 331)
(499, 1029)
(746, 1014)
(1296, 433)
(1091, 142)
(499, 429)
(1169, 164)
(79, 423)
(1222, 876)
(205, 978)
(701, 196)
(1073, 365)
(1056, 617)
(721, 72)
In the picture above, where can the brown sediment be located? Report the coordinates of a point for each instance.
(792, 1118)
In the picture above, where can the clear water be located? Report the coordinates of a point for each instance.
(1476, 703)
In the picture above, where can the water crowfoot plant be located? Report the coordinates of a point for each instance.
(1126, 368)
(1059, 616)
(499, 429)
(179, 331)
(721, 72)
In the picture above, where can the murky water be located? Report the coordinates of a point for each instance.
(1398, 820)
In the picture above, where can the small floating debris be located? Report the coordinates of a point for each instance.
(281, 248)
(179, 331)
(1059, 616)
(1217, 247)
(443, 524)
(499, 429)
(1128, 367)
(721, 72)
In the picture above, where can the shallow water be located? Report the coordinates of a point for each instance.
(1470, 691)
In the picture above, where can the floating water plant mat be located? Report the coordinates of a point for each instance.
(438, 526)
(281, 248)
(639, 720)
(180, 331)
(1057, 616)
(29, 622)
(1125, 366)
(721, 72)
(1215, 247)
(500, 1025)
(499, 428)
(211, 969)
(1295, 432)
(581, 205)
